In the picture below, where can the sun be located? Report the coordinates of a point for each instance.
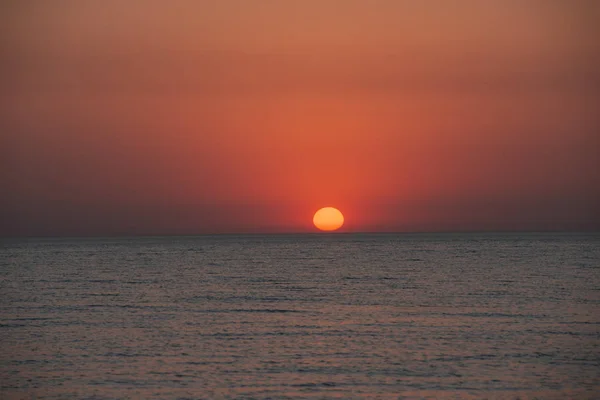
(328, 219)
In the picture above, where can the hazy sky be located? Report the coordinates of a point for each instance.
(168, 117)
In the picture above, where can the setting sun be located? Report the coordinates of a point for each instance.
(328, 219)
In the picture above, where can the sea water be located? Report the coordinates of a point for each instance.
(301, 316)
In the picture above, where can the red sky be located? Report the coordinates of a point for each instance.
(183, 117)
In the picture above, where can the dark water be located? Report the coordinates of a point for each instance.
(315, 316)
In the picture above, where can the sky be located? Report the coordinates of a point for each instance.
(191, 117)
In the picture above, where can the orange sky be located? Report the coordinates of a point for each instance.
(153, 117)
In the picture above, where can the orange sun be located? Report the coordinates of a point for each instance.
(328, 219)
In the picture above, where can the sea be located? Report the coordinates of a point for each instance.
(314, 316)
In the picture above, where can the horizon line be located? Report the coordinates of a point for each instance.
(290, 233)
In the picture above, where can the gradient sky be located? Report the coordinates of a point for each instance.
(183, 117)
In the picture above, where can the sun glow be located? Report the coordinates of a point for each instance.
(328, 219)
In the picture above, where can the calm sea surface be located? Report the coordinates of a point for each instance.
(301, 316)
